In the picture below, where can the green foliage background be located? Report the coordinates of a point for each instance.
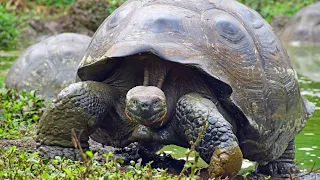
(56, 3)
(12, 20)
(9, 28)
(270, 8)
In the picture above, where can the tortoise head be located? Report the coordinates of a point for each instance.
(146, 105)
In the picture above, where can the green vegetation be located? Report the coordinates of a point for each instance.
(5, 64)
(9, 28)
(55, 3)
(114, 4)
(19, 113)
(13, 14)
(21, 164)
(270, 8)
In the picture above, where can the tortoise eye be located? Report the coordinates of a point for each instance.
(134, 102)
(156, 101)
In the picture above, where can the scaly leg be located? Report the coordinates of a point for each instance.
(80, 106)
(284, 166)
(219, 146)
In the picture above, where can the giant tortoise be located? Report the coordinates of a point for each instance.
(301, 37)
(162, 72)
(48, 66)
(304, 26)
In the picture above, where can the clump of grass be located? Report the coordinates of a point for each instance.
(19, 112)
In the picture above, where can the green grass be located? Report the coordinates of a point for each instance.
(5, 64)
(55, 3)
(9, 28)
(19, 113)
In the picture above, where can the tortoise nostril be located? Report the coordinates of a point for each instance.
(145, 105)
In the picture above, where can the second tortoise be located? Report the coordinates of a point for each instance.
(48, 66)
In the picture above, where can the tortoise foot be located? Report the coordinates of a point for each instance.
(225, 162)
(129, 153)
(282, 167)
(279, 169)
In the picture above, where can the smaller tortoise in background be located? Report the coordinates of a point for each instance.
(301, 37)
(48, 66)
(304, 26)
(158, 71)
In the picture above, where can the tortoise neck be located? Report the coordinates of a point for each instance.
(155, 73)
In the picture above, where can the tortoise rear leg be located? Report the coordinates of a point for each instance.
(80, 106)
(219, 146)
(284, 166)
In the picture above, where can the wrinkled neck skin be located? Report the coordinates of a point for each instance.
(155, 72)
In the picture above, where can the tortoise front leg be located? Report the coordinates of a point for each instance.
(80, 106)
(219, 146)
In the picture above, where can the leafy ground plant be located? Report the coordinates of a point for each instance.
(23, 164)
(18, 113)
(20, 164)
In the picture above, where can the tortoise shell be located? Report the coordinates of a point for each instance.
(48, 66)
(303, 27)
(250, 70)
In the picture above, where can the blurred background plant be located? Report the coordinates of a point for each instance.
(14, 14)
(50, 17)
(270, 8)
(10, 25)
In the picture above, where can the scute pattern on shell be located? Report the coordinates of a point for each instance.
(225, 40)
(49, 65)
